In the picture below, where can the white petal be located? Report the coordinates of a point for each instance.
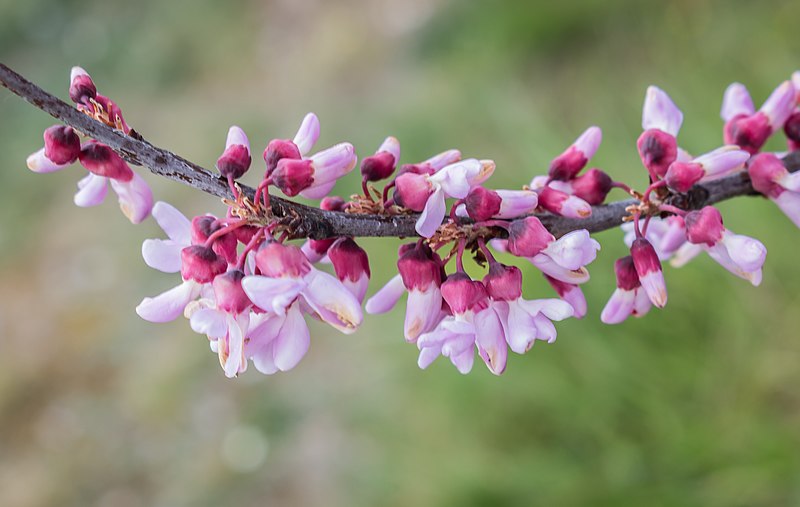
(293, 340)
(619, 306)
(463, 361)
(39, 163)
(92, 191)
(318, 191)
(549, 267)
(163, 255)
(210, 322)
(422, 312)
(789, 203)
(660, 112)
(490, 340)
(573, 250)
(177, 227)
(169, 305)
(736, 101)
(521, 328)
(135, 198)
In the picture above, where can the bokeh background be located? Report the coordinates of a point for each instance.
(697, 404)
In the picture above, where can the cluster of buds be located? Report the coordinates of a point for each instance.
(249, 289)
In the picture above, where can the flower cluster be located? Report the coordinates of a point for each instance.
(250, 289)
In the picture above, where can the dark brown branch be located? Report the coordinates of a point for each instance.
(316, 223)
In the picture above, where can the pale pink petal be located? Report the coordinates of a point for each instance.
(39, 163)
(312, 255)
(458, 343)
(541, 181)
(747, 252)
(358, 288)
(722, 161)
(790, 181)
(549, 267)
(545, 330)
(387, 297)
(318, 191)
(272, 294)
(490, 340)
(236, 136)
(262, 333)
(520, 328)
(177, 227)
(552, 308)
(391, 145)
(92, 190)
(333, 163)
(660, 112)
(575, 298)
(619, 306)
(235, 363)
(432, 215)
(683, 155)
(653, 283)
(501, 245)
(163, 255)
(573, 250)
(210, 322)
(307, 134)
(332, 301)
(168, 305)
(135, 198)
(443, 159)
(789, 203)
(463, 361)
(293, 340)
(589, 141)
(515, 203)
(641, 303)
(455, 178)
(684, 254)
(720, 254)
(428, 355)
(735, 102)
(422, 312)
(575, 207)
(779, 105)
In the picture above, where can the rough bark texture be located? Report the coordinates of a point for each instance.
(316, 223)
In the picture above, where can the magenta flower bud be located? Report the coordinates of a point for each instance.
(277, 150)
(204, 226)
(351, 264)
(463, 294)
(81, 86)
(419, 268)
(570, 293)
(482, 204)
(332, 203)
(503, 283)
(567, 165)
(681, 176)
(61, 144)
(648, 268)
(101, 160)
(625, 271)
(765, 171)
(235, 160)
(658, 150)
(382, 164)
(527, 237)
(229, 294)
(277, 260)
(792, 130)
(293, 176)
(593, 186)
(201, 264)
(748, 132)
(561, 203)
(704, 226)
(412, 191)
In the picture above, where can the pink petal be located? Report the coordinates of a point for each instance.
(292, 341)
(575, 298)
(168, 305)
(790, 181)
(552, 308)
(210, 322)
(779, 105)
(641, 303)
(573, 250)
(463, 361)
(235, 363)
(619, 306)
(653, 283)
(307, 134)
(735, 102)
(545, 330)
(722, 161)
(520, 328)
(386, 298)
(357, 288)
(272, 294)
(589, 141)
(92, 191)
(236, 136)
(789, 203)
(515, 203)
(163, 255)
(391, 145)
(261, 347)
(748, 253)
(660, 112)
(432, 215)
(684, 254)
(135, 198)
(422, 312)
(332, 301)
(428, 355)
(173, 222)
(39, 163)
(455, 178)
(491, 342)
(549, 267)
(318, 191)
(443, 159)
(333, 163)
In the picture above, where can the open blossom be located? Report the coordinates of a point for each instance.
(748, 128)
(770, 177)
(629, 298)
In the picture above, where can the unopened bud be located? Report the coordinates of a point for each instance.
(201, 264)
(503, 283)
(229, 294)
(235, 160)
(277, 150)
(704, 226)
(81, 86)
(293, 176)
(527, 237)
(61, 144)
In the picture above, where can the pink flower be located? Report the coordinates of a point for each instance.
(564, 204)
(235, 160)
(351, 265)
(482, 204)
(661, 122)
(681, 176)
(748, 128)
(629, 298)
(770, 177)
(382, 164)
(567, 165)
(666, 235)
(648, 269)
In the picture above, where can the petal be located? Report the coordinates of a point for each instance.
(589, 141)
(653, 283)
(463, 361)
(491, 342)
(790, 181)
(515, 203)
(386, 298)
(332, 301)
(554, 309)
(432, 215)
(779, 105)
(456, 179)
(748, 253)
(357, 288)
(735, 102)
(92, 191)
(722, 161)
(135, 198)
(293, 340)
(333, 163)
(39, 163)
(545, 330)
(210, 322)
(684, 254)
(169, 305)
(428, 355)
(520, 328)
(789, 203)
(163, 255)
(573, 250)
(422, 312)
(549, 267)
(660, 112)
(318, 191)
(443, 159)
(641, 303)
(619, 306)
(272, 294)
(261, 347)
(575, 298)
(177, 227)
(234, 362)
(307, 134)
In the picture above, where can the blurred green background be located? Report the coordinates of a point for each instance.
(697, 404)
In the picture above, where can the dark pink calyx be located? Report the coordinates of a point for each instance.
(321, 246)
(464, 294)
(229, 294)
(792, 127)
(350, 261)
(704, 226)
(101, 160)
(201, 264)
(658, 150)
(332, 203)
(562, 203)
(593, 186)
(378, 167)
(748, 132)
(765, 169)
(293, 176)
(225, 245)
(277, 150)
(245, 233)
(61, 144)
(276, 260)
(527, 237)
(681, 176)
(503, 283)
(627, 279)
(412, 191)
(645, 258)
(567, 165)
(482, 204)
(419, 269)
(235, 161)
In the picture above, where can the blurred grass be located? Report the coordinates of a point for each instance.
(694, 405)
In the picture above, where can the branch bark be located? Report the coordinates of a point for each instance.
(316, 223)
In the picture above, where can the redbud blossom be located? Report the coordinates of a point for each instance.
(81, 86)
(561, 203)
(567, 165)
(381, 165)
(629, 298)
(748, 128)
(303, 141)
(770, 177)
(351, 265)
(235, 160)
(648, 269)
(681, 176)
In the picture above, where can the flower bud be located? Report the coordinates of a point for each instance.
(113, 111)
(570, 293)
(81, 86)
(61, 144)
(419, 268)
(527, 237)
(351, 264)
(593, 186)
(765, 170)
(748, 132)
(332, 203)
(648, 268)
(482, 204)
(561, 203)
(293, 176)
(627, 279)
(681, 176)
(463, 294)
(204, 226)
(276, 260)
(229, 294)
(101, 160)
(704, 226)
(277, 150)
(658, 150)
(381, 165)
(235, 160)
(503, 283)
(567, 165)
(412, 191)
(201, 264)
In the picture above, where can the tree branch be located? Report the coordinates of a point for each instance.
(316, 223)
